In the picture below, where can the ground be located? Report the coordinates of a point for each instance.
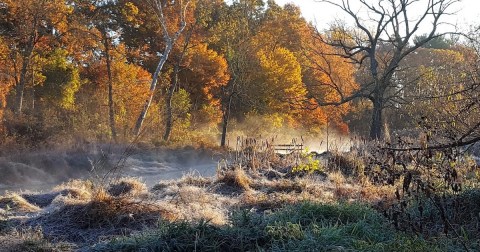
(260, 201)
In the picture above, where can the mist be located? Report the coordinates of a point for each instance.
(321, 141)
(42, 170)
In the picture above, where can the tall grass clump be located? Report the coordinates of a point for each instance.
(235, 178)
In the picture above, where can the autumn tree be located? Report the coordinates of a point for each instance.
(277, 53)
(381, 49)
(193, 65)
(130, 92)
(28, 25)
(283, 28)
(447, 91)
(101, 23)
(169, 37)
(101, 20)
(441, 42)
(204, 75)
(178, 63)
(231, 33)
(200, 70)
(61, 80)
(7, 76)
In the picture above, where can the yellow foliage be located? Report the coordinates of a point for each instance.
(129, 11)
(207, 72)
(130, 89)
(281, 78)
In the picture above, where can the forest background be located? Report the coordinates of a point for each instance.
(88, 71)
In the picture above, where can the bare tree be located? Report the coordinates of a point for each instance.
(169, 40)
(379, 42)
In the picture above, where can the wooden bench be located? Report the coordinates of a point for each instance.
(289, 148)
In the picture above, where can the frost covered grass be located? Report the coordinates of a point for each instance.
(268, 206)
(299, 227)
(83, 213)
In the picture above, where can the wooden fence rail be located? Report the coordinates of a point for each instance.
(288, 147)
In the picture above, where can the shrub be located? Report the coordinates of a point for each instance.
(308, 164)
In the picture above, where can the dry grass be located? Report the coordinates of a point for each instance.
(79, 189)
(190, 179)
(349, 164)
(127, 187)
(85, 212)
(31, 240)
(103, 216)
(82, 213)
(271, 194)
(236, 177)
(195, 180)
(194, 203)
(337, 178)
(376, 193)
(285, 185)
(100, 214)
(14, 203)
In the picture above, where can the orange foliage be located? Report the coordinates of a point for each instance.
(37, 16)
(7, 80)
(329, 78)
(130, 89)
(279, 80)
(207, 73)
(326, 77)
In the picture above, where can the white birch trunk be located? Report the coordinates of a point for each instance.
(169, 42)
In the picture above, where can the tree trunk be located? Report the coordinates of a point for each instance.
(173, 86)
(377, 119)
(169, 111)
(169, 41)
(226, 115)
(20, 88)
(111, 110)
(153, 85)
(224, 129)
(33, 92)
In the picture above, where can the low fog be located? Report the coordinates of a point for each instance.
(42, 170)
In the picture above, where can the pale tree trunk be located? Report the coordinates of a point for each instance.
(153, 86)
(169, 41)
(111, 110)
(173, 86)
(33, 92)
(20, 88)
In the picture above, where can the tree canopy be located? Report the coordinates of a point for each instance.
(204, 68)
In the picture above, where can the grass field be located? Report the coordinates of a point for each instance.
(257, 202)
